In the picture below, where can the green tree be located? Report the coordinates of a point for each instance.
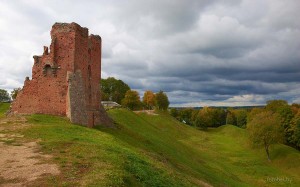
(199, 121)
(4, 96)
(149, 99)
(174, 112)
(282, 108)
(132, 100)
(194, 116)
(113, 89)
(241, 118)
(230, 118)
(185, 115)
(218, 117)
(253, 113)
(161, 101)
(203, 118)
(274, 105)
(265, 129)
(294, 130)
(15, 92)
(209, 117)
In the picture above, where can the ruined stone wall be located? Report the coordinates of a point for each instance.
(76, 100)
(94, 66)
(65, 81)
(46, 92)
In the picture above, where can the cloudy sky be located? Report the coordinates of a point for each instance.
(200, 52)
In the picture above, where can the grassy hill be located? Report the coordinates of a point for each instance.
(157, 150)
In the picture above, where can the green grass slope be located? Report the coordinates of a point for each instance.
(157, 150)
(3, 108)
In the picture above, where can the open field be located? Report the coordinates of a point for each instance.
(152, 150)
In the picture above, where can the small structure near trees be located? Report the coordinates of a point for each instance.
(110, 104)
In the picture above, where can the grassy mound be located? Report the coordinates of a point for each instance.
(157, 150)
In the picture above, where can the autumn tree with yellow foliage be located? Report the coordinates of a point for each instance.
(149, 99)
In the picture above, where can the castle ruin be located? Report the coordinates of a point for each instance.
(66, 80)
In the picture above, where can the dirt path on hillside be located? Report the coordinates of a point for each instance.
(21, 163)
(149, 112)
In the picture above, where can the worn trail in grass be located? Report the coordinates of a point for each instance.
(156, 150)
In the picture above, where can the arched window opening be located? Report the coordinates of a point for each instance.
(47, 70)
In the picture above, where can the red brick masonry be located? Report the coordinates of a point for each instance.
(66, 80)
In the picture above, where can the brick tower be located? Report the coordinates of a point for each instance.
(66, 80)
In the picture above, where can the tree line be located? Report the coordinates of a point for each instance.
(116, 90)
(5, 97)
(278, 121)
(210, 116)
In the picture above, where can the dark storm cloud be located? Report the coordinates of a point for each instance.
(250, 54)
(160, 18)
(201, 52)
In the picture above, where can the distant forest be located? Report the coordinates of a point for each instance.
(209, 117)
